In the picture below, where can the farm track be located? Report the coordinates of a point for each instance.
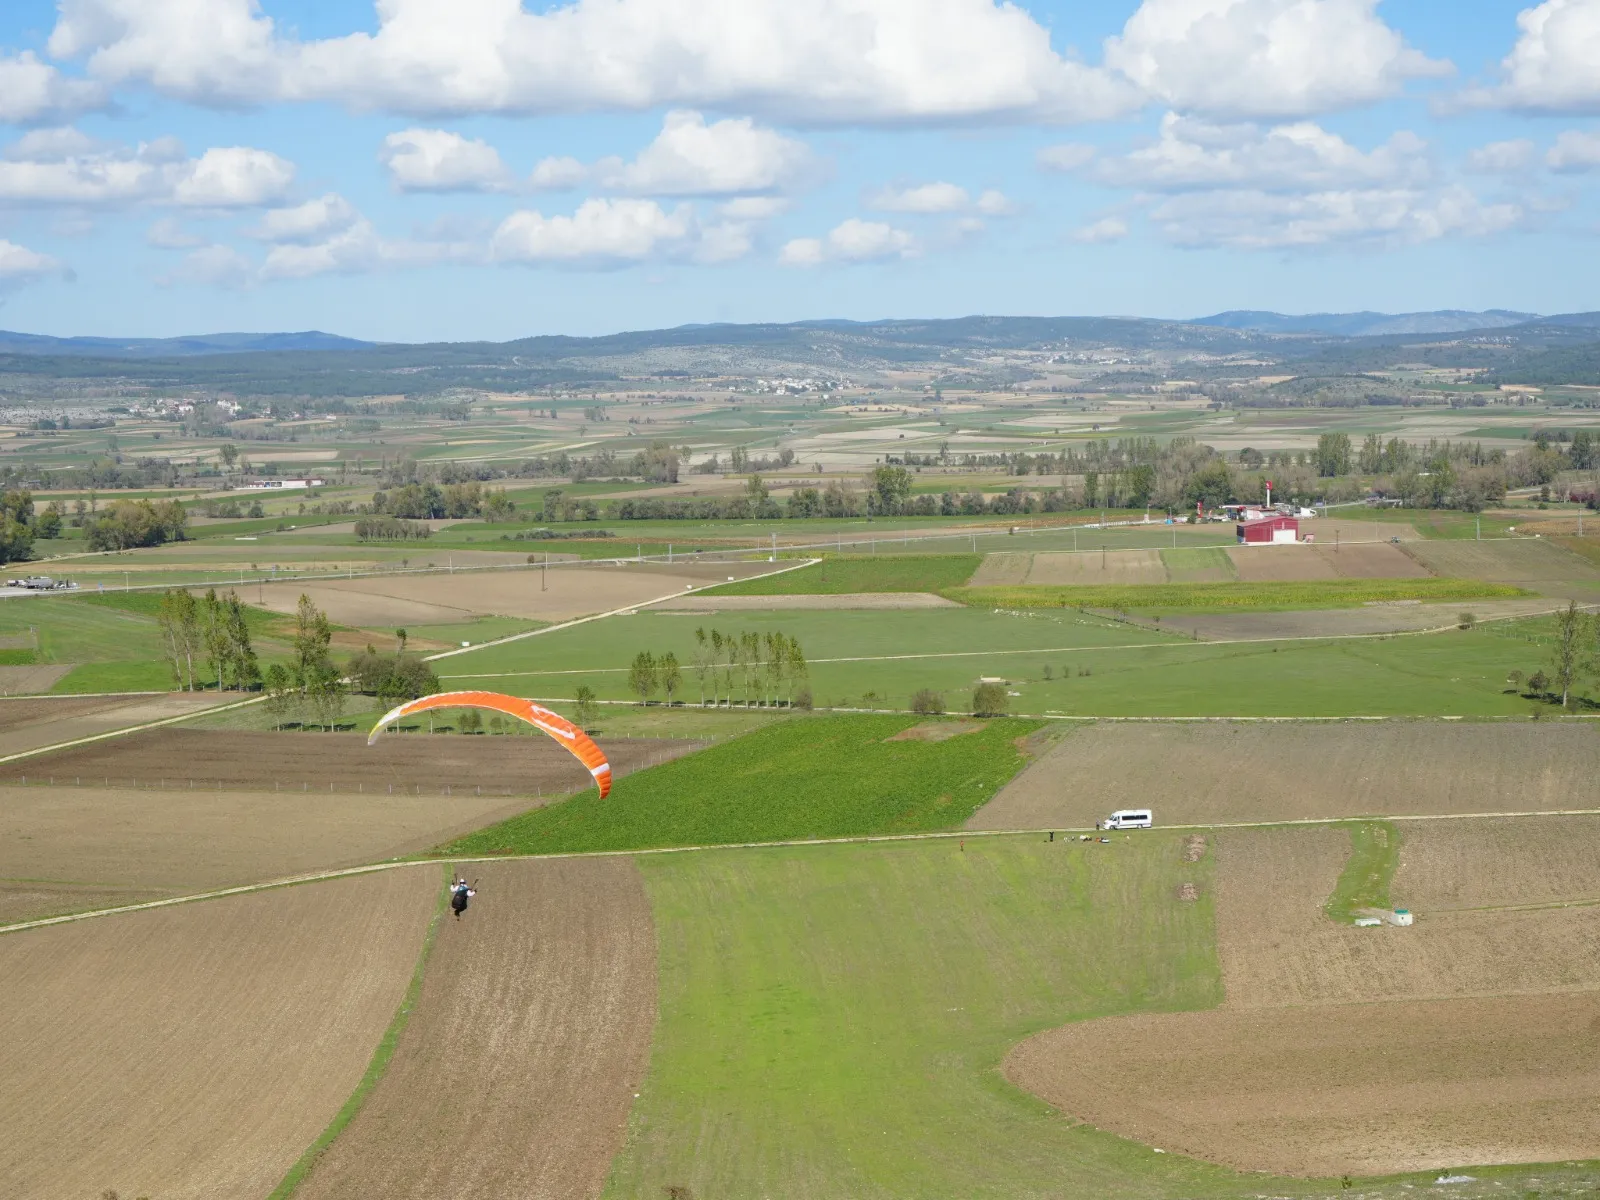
(518, 1067)
(194, 1053)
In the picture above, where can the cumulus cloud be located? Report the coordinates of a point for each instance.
(940, 198)
(1552, 66)
(308, 223)
(1261, 220)
(212, 266)
(62, 167)
(1574, 151)
(32, 91)
(170, 234)
(1106, 229)
(557, 174)
(691, 158)
(602, 232)
(20, 265)
(851, 241)
(753, 208)
(1265, 58)
(1192, 153)
(1501, 158)
(805, 60)
(1069, 156)
(436, 160)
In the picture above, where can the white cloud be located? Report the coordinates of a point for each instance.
(926, 198)
(213, 266)
(20, 265)
(34, 91)
(169, 234)
(1501, 158)
(1260, 220)
(1067, 157)
(805, 60)
(691, 158)
(309, 223)
(602, 232)
(1574, 151)
(62, 167)
(1265, 58)
(1192, 153)
(851, 241)
(1552, 66)
(753, 208)
(436, 160)
(557, 174)
(1106, 229)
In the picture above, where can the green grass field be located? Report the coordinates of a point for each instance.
(1364, 882)
(832, 1019)
(848, 574)
(1233, 597)
(802, 778)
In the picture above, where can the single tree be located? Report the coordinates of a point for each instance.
(214, 635)
(671, 675)
(280, 693)
(1566, 657)
(586, 712)
(400, 637)
(312, 637)
(242, 656)
(326, 693)
(704, 663)
(989, 700)
(642, 676)
(928, 702)
(470, 721)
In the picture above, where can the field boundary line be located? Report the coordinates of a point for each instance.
(615, 612)
(140, 728)
(653, 851)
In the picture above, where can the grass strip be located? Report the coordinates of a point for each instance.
(816, 777)
(1368, 872)
(375, 1068)
(1231, 597)
(838, 575)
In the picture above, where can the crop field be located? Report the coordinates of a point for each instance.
(1368, 620)
(516, 1071)
(804, 778)
(1200, 565)
(194, 1052)
(1269, 595)
(832, 1018)
(47, 721)
(701, 602)
(1537, 563)
(1302, 1072)
(1125, 567)
(521, 762)
(1000, 569)
(1200, 773)
(1446, 866)
(845, 575)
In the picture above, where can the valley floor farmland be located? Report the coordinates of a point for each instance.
(516, 1071)
(1204, 772)
(194, 1052)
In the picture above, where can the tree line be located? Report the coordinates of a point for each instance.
(212, 629)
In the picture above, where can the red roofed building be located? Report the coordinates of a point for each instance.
(1268, 531)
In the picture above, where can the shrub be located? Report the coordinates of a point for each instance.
(802, 699)
(1467, 619)
(928, 702)
(989, 700)
(1538, 683)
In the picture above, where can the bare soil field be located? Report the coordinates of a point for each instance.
(22, 681)
(1114, 567)
(46, 721)
(195, 1052)
(879, 601)
(506, 765)
(1528, 562)
(1364, 1088)
(1221, 771)
(1497, 861)
(1278, 947)
(1001, 569)
(517, 1070)
(1370, 560)
(1346, 622)
(1327, 529)
(1280, 564)
(382, 601)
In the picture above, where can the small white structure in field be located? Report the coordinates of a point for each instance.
(1368, 922)
(1400, 916)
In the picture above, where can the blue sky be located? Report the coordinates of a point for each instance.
(474, 169)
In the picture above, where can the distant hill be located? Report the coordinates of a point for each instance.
(176, 347)
(1373, 324)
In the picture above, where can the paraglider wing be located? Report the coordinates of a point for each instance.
(577, 742)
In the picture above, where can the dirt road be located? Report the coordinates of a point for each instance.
(516, 1072)
(193, 1053)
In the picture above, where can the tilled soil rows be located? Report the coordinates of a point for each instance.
(1205, 771)
(1365, 1088)
(195, 1052)
(1522, 561)
(1112, 568)
(516, 1072)
(521, 764)
(29, 724)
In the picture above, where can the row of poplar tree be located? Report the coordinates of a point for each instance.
(759, 667)
(212, 630)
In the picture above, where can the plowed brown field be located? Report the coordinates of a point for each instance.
(1364, 1089)
(1115, 567)
(522, 764)
(39, 721)
(515, 1074)
(1531, 562)
(997, 570)
(1220, 771)
(385, 601)
(194, 1052)
(1278, 564)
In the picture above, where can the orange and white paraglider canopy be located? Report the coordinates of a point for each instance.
(577, 742)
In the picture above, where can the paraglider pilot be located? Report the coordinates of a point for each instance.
(460, 893)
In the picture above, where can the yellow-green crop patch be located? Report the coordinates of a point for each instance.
(1229, 597)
